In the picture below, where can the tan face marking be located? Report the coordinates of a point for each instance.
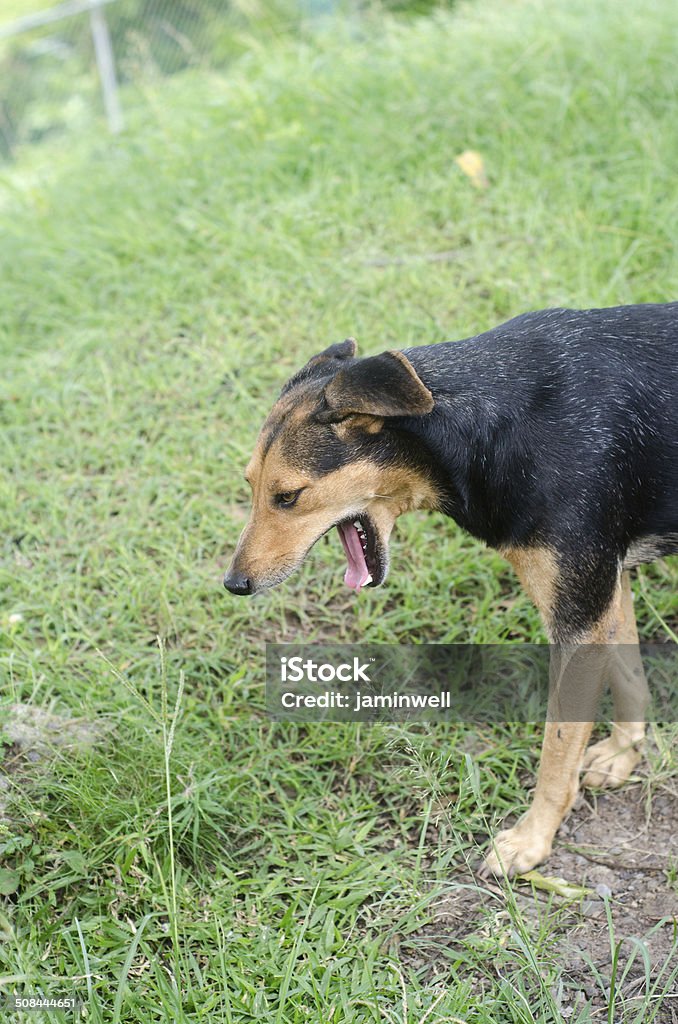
(277, 538)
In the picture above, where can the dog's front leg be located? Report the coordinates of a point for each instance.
(577, 675)
(519, 849)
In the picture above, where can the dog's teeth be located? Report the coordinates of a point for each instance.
(369, 578)
(356, 523)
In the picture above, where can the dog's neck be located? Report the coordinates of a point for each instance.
(472, 446)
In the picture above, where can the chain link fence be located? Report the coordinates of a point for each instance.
(64, 66)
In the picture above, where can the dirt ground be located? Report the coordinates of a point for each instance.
(623, 847)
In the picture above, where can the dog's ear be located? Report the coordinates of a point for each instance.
(325, 360)
(342, 350)
(379, 386)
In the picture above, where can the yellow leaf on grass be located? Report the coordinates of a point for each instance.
(560, 886)
(473, 166)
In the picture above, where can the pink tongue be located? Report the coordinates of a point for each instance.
(357, 573)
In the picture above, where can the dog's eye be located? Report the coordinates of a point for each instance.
(288, 498)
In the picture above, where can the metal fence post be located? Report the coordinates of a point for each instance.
(103, 52)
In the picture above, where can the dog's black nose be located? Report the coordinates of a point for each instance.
(238, 583)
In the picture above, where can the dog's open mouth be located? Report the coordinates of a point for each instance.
(365, 566)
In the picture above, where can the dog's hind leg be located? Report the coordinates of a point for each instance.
(578, 671)
(610, 762)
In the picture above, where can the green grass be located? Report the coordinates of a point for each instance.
(155, 291)
(13, 9)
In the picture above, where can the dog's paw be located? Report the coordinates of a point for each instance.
(516, 850)
(609, 763)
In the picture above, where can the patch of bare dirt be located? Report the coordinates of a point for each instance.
(623, 848)
(37, 731)
(623, 845)
(33, 733)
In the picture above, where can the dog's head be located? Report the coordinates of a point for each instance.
(328, 455)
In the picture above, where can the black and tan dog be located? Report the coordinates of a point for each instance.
(553, 438)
